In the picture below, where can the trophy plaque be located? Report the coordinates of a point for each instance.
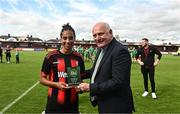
(73, 76)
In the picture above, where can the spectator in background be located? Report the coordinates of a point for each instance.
(94, 54)
(134, 52)
(8, 53)
(80, 50)
(86, 54)
(1, 54)
(146, 58)
(17, 56)
(90, 50)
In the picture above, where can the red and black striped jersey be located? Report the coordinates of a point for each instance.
(55, 66)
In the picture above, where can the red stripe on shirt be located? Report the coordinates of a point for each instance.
(61, 93)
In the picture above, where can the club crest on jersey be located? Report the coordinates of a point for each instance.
(62, 75)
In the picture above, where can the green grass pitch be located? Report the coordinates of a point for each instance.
(15, 79)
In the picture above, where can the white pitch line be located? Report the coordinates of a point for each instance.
(17, 99)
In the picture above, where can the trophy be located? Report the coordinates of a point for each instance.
(73, 76)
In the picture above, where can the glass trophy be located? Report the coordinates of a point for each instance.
(73, 76)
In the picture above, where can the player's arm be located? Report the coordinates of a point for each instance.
(45, 81)
(44, 76)
(158, 58)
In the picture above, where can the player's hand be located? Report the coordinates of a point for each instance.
(62, 85)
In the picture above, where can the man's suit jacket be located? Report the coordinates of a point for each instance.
(111, 86)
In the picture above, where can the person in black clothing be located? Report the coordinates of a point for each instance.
(61, 98)
(1, 51)
(8, 53)
(146, 58)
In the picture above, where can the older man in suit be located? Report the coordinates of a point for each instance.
(110, 81)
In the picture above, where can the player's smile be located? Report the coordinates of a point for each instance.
(67, 41)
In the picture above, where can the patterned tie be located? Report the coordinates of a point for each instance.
(97, 65)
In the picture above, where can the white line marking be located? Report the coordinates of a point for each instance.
(17, 99)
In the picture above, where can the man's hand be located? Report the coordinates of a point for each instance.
(84, 87)
(140, 62)
(156, 62)
(78, 90)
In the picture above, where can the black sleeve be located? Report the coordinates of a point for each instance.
(46, 66)
(158, 53)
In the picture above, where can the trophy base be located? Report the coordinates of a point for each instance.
(70, 85)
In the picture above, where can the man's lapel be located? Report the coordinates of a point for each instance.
(97, 55)
(106, 54)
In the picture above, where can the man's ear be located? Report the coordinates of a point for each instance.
(110, 31)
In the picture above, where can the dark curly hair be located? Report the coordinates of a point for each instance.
(145, 39)
(66, 27)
